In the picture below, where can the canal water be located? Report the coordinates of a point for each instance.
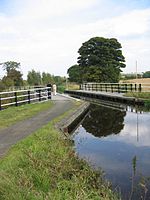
(116, 139)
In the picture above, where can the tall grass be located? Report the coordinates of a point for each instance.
(44, 166)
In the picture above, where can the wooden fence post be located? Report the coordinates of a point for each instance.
(96, 86)
(29, 97)
(49, 90)
(39, 95)
(112, 88)
(49, 93)
(140, 87)
(135, 87)
(105, 87)
(126, 88)
(16, 102)
(131, 87)
(0, 104)
(100, 87)
(118, 88)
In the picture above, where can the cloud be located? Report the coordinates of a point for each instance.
(47, 34)
(47, 8)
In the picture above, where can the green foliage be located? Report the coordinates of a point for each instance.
(2, 86)
(75, 74)
(46, 78)
(9, 65)
(61, 88)
(147, 104)
(13, 76)
(100, 60)
(146, 74)
(34, 78)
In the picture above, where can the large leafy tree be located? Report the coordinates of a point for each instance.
(100, 60)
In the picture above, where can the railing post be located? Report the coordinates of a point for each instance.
(29, 97)
(111, 86)
(131, 87)
(140, 87)
(16, 101)
(118, 89)
(126, 88)
(96, 86)
(0, 104)
(135, 87)
(49, 93)
(49, 89)
(105, 87)
(100, 87)
(39, 95)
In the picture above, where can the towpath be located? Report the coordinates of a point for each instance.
(9, 136)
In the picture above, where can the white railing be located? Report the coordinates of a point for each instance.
(116, 87)
(18, 97)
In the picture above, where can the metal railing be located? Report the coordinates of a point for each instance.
(15, 98)
(116, 87)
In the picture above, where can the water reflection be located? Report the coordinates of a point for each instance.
(119, 142)
(103, 121)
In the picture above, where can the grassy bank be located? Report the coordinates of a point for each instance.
(142, 95)
(44, 166)
(12, 115)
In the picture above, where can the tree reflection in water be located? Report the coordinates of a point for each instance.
(104, 121)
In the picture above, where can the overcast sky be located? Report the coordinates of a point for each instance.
(45, 35)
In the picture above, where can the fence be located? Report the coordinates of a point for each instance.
(24, 96)
(116, 87)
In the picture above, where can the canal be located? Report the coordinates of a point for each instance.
(116, 139)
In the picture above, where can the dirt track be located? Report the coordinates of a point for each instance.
(20, 130)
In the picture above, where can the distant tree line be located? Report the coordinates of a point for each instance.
(127, 76)
(14, 77)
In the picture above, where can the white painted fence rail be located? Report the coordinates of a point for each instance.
(18, 97)
(116, 87)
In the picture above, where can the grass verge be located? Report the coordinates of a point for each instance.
(44, 166)
(14, 114)
(142, 95)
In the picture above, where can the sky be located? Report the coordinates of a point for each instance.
(45, 35)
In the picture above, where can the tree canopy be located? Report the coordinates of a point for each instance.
(74, 74)
(13, 75)
(10, 65)
(34, 78)
(146, 74)
(100, 60)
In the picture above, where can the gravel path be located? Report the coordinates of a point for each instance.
(20, 130)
